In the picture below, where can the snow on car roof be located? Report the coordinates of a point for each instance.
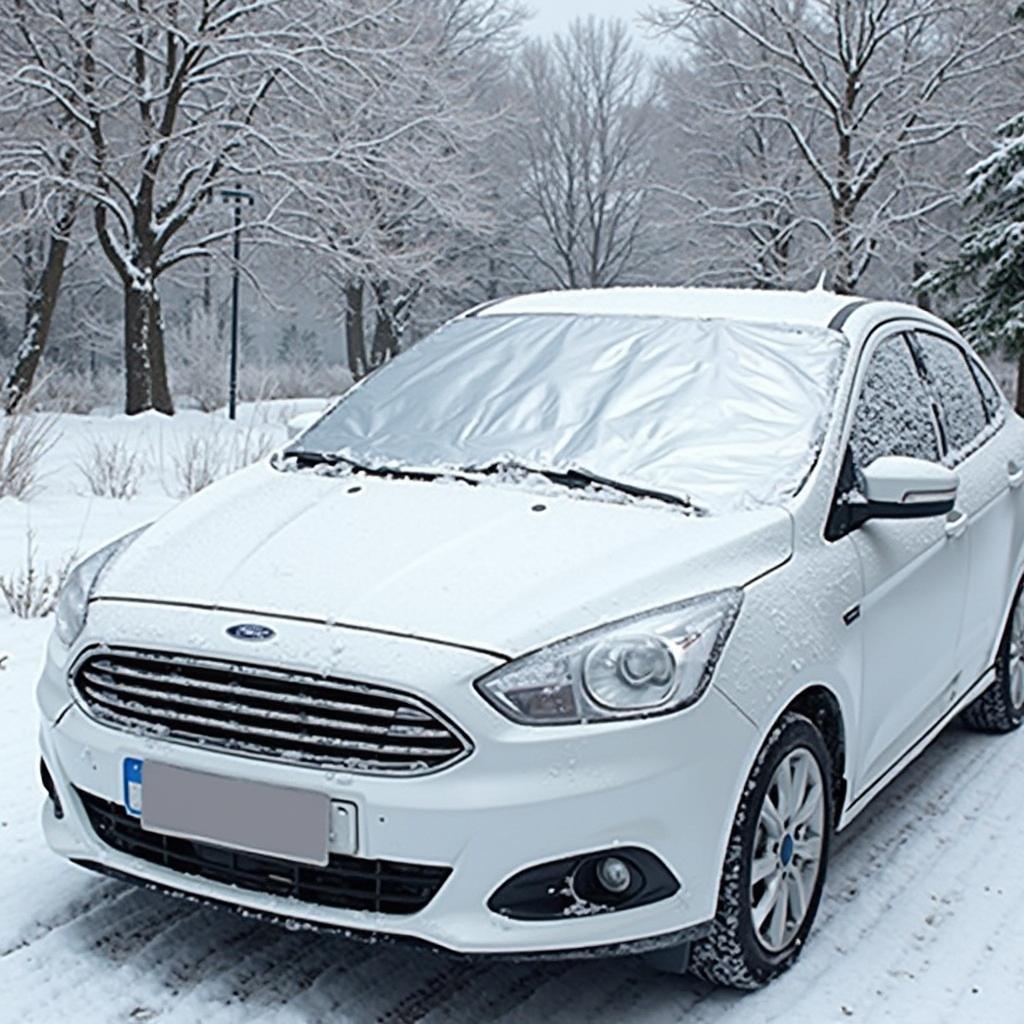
(812, 309)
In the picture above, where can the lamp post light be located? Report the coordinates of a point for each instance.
(238, 197)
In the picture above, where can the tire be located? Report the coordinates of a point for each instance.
(741, 951)
(1001, 707)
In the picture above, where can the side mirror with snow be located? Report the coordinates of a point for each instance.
(898, 487)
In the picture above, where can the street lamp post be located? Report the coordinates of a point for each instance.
(238, 197)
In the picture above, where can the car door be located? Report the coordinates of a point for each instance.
(915, 571)
(983, 455)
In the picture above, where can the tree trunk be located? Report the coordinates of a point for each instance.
(38, 317)
(145, 363)
(385, 336)
(842, 229)
(1020, 383)
(355, 330)
(924, 299)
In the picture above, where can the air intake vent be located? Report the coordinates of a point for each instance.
(268, 713)
(353, 883)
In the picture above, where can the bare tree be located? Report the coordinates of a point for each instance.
(398, 188)
(39, 149)
(169, 96)
(744, 203)
(585, 152)
(858, 86)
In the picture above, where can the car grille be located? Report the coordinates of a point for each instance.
(270, 713)
(351, 883)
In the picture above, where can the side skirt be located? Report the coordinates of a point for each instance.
(862, 800)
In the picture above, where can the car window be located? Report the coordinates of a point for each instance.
(990, 395)
(894, 414)
(961, 412)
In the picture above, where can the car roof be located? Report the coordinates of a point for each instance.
(812, 308)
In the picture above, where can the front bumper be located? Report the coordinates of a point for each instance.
(524, 796)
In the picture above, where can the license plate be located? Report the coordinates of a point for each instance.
(237, 813)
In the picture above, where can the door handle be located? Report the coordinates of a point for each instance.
(956, 524)
(1015, 474)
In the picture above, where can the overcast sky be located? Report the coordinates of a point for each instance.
(554, 15)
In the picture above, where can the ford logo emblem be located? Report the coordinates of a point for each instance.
(251, 631)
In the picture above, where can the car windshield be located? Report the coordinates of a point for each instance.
(717, 415)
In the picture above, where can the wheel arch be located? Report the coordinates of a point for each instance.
(821, 707)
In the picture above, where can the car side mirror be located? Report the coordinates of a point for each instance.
(897, 487)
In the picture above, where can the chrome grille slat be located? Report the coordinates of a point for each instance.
(269, 713)
(141, 678)
(236, 670)
(257, 712)
(128, 709)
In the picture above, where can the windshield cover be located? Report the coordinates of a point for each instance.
(723, 415)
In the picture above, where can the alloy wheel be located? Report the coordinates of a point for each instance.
(1015, 660)
(788, 847)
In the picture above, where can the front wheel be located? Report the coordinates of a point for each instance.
(1001, 707)
(775, 863)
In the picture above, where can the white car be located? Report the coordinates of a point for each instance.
(578, 629)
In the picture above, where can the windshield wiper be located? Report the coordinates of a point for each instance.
(307, 460)
(575, 479)
(579, 478)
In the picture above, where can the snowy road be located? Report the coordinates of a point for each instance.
(923, 921)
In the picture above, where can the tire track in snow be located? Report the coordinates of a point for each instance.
(104, 892)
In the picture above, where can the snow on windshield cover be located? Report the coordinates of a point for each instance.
(724, 415)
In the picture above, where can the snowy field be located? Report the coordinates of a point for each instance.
(923, 918)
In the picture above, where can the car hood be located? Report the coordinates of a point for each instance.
(497, 567)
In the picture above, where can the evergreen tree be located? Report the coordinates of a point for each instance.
(992, 254)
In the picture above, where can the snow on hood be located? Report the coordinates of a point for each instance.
(719, 414)
(494, 567)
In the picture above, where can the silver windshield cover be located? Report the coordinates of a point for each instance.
(724, 415)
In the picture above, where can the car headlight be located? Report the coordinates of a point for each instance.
(648, 664)
(73, 603)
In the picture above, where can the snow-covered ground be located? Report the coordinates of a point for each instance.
(923, 919)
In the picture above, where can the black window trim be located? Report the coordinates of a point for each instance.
(827, 530)
(973, 365)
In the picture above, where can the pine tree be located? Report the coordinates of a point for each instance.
(992, 254)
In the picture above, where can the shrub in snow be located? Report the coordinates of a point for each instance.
(198, 349)
(293, 379)
(203, 458)
(24, 439)
(111, 469)
(197, 462)
(62, 389)
(31, 591)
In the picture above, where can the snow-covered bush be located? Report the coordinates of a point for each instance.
(265, 381)
(196, 462)
(111, 469)
(62, 389)
(198, 354)
(204, 457)
(24, 439)
(31, 591)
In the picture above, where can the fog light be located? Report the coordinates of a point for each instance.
(614, 874)
(595, 883)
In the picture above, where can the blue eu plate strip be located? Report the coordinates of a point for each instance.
(133, 786)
